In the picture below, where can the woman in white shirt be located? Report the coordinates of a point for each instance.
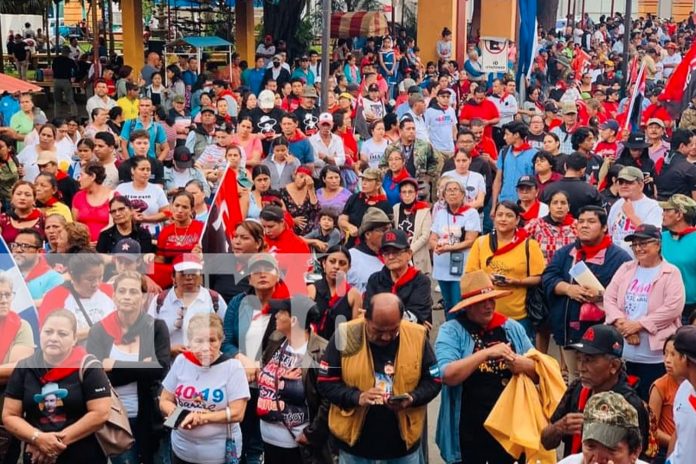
(372, 149)
(152, 195)
(212, 390)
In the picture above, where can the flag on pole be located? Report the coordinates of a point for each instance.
(581, 63)
(22, 302)
(528, 40)
(681, 86)
(224, 216)
(635, 103)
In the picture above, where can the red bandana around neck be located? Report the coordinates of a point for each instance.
(497, 321)
(113, 327)
(372, 200)
(50, 202)
(520, 236)
(35, 214)
(460, 211)
(280, 292)
(397, 178)
(532, 212)
(576, 445)
(568, 220)
(685, 232)
(9, 326)
(192, 357)
(40, 269)
(415, 206)
(408, 276)
(521, 148)
(586, 252)
(69, 366)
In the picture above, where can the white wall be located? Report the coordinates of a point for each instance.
(595, 8)
(16, 24)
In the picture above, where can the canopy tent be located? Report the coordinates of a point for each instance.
(12, 84)
(199, 43)
(358, 24)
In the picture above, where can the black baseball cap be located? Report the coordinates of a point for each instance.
(373, 88)
(526, 181)
(182, 157)
(394, 238)
(645, 231)
(600, 339)
(685, 342)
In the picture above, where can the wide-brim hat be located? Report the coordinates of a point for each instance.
(476, 287)
(50, 389)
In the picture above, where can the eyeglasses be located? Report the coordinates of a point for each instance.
(625, 182)
(636, 245)
(23, 246)
(392, 252)
(118, 210)
(7, 295)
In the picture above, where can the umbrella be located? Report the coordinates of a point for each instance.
(12, 84)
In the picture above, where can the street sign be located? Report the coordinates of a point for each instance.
(494, 54)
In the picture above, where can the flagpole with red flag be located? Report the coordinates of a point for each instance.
(680, 86)
(224, 216)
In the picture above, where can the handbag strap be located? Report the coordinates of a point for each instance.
(526, 252)
(74, 294)
(87, 361)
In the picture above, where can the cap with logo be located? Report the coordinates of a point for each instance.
(207, 110)
(680, 202)
(394, 238)
(607, 418)
(182, 157)
(127, 248)
(685, 342)
(373, 218)
(645, 231)
(631, 174)
(443, 92)
(611, 124)
(600, 339)
(637, 141)
(326, 119)
(266, 100)
(373, 88)
(526, 181)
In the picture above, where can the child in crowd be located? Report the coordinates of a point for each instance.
(662, 395)
(326, 234)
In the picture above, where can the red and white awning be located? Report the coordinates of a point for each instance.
(358, 24)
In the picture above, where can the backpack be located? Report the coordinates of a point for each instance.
(214, 296)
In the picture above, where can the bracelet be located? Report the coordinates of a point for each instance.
(35, 436)
(228, 414)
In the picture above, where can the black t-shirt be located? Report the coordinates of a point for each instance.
(380, 437)
(580, 193)
(108, 238)
(20, 50)
(156, 170)
(309, 120)
(64, 67)
(356, 207)
(677, 176)
(52, 407)
(68, 187)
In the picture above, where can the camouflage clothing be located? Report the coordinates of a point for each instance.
(428, 164)
(607, 418)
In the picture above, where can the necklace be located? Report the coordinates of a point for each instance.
(179, 239)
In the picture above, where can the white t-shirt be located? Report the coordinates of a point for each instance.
(361, 268)
(578, 459)
(685, 423)
(647, 209)
(473, 183)
(440, 123)
(374, 151)
(128, 392)
(253, 337)
(295, 412)
(636, 307)
(674, 59)
(97, 307)
(449, 231)
(152, 194)
(206, 389)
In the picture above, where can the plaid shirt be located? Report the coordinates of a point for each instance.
(551, 237)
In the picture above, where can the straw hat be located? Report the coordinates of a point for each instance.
(476, 287)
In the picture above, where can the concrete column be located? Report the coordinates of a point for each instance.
(246, 43)
(433, 16)
(499, 18)
(133, 48)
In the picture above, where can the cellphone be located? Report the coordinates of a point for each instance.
(397, 398)
(499, 278)
(175, 418)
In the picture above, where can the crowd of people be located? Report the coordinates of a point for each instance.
(576, 242)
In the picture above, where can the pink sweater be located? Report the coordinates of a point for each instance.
(665, 301)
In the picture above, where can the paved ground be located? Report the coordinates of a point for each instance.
(434, 406)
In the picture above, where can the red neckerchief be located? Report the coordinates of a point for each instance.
(577, 438)
(50, 202)
(34, 215)
(521, 148)
(280, 292)
(685, 232)
(568, 220)
(520, 236)
(336, 297)
(113, 328)
(403, 174)
(532, 212)
(297, 136)
(40, 269)
(192, 357)
(372, 200)
(588, 252)
(408, 276)
(415, 206)
(9, 326)
(460, 211)
(60, 175)
(474, 153)
(69, 366)
(496, 321)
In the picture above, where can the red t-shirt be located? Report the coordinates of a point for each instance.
(172, 242)
(293, 255)
(486, 110)
(607, 149)
(487, 145)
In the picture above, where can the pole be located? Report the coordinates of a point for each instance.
(575, 9)
(582, 16)
(57, 23)
(325, 33)
(110, 28)
(612, 8)
(2, 55)
(626, 41)
(568, 15)
(393, 20)
(95, 34)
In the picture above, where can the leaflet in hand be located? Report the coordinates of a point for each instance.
(583, 276)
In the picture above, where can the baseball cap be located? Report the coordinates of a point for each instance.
(179, 99)
(127, 248)
(266, 100)
(526, 181)
(645, 231)
(409, 181)
(182, 157)
(631, 174)
(395, 238)
(611, 124)
(600, 339)
(272, 213)
(373, 218)
(187, 262)
(373, 88)
(551, 106)
(46, 157)
(415, 89)
(325, 118)
(347, 96)
(607, 418)
(406, 84)
(680, 202)
(685, 341)
(371, 173)
(443, 92)
(207, 110)
(261, 258)
(657, 121)
(569, 108)
(310, 92)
